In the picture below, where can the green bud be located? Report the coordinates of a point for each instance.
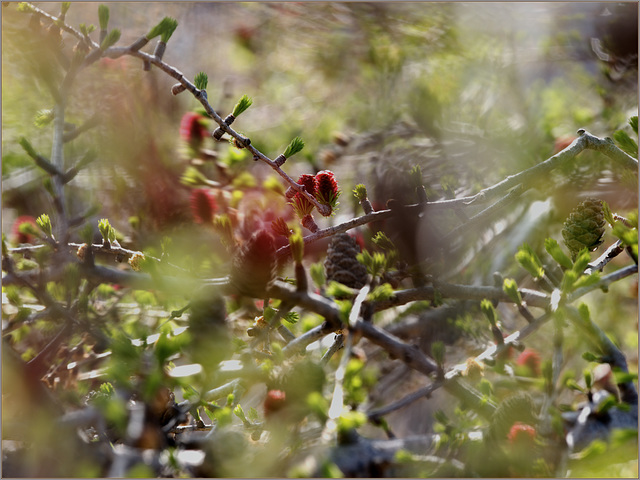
(64, 8)
(103, 16)
(510, 287)
(294, 147)
(489, 311)
(242, 105)
(166, 27)
(5, 248)
(590, 357)
(297, 246)
(112, 37)
(201, 80)
(316, 271)
(44, 222)
(588, 379)
(24, 143)
(553, 248)
(360, 192)
(416, 176)
(527, 258)
(381, 240)
(104, 227)
(43, 118)
(437, 352)
(381, 293)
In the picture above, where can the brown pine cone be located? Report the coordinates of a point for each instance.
(341, 264)
(254, 266)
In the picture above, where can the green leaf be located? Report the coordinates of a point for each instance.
(294, 147)
(112, 37)
(242, 105)
(589, 357)
(65, 8)
(510, 287)
(103, 16)
(360, 192)
(553, 248)
(201, 81)
(44, 222)
(633, 121)
(626, 143)
(588, 379)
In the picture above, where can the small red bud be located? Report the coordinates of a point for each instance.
(192, 129)
(20, 237)
(274, 401)
(327, 190)
(521, 433)
(203, 205)
(530, 359)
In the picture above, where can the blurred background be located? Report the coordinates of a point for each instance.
(470, 92)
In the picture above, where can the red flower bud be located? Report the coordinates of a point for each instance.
(20, 237)
(521, 433)
(203, 205)
(308, 181)
(327, 190)
(192, 129)
(280, 227)
(530, 359)
(299, 202)
(274, 401)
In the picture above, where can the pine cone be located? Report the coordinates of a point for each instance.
(341, 264)
(584, 227)
(254, 266)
